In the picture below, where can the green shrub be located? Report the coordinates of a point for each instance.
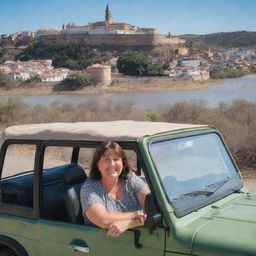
(74, 82)
(133, 63)
(35, 78)
(154, 117)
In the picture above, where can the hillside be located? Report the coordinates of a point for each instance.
(73, 56)
(245, 39)
(9, 53)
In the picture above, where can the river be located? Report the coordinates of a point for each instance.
(225, 91)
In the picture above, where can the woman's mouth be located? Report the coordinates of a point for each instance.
(111, 169)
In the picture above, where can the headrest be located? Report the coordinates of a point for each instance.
(74, 174)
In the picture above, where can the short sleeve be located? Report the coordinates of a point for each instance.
(90, 195)
(136, 183)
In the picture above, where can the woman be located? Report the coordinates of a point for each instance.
(113, 197)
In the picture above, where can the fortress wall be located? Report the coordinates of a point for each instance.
(100, 74)
(109, 39)
(163, 39)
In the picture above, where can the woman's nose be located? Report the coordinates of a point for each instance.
(111, 162)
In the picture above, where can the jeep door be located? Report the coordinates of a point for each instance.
(59, 238)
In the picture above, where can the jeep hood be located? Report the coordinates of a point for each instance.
(229, 231)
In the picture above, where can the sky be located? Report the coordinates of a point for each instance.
(174, 16)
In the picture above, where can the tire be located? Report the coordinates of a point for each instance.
(7, 252)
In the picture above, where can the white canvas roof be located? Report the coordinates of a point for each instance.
(91, 131)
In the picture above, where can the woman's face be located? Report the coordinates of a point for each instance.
(110, 164)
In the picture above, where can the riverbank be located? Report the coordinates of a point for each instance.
(122, 84)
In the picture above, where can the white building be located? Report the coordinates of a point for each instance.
(27, 69)
(22, 75)
(190, 63)
(46, 31)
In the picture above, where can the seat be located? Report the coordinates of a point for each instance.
(74, 179)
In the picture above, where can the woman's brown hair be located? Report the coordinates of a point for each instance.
(100, 151)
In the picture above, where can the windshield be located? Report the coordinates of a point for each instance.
(194, 170)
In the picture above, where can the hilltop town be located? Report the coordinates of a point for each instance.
(177, 57)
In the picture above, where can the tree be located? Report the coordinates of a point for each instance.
(133, 63)
(74, 82)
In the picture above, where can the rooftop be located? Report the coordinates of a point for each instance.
(91, 131)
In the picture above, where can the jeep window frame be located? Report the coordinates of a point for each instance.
(36, 211)
(187, 134)
(14, 209)
(126, 145)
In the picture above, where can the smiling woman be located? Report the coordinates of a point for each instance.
(114, 196)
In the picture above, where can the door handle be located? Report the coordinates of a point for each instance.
(79, 245)
(79, 248)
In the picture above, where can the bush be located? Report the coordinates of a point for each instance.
(154, 117)
(236, 122)
(184, 111)
(231, 72)
(74, 82)
(135, 64)
(35, 78)
(5, 81)
(6, 42)
(13, 111)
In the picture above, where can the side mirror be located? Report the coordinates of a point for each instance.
(153, 217)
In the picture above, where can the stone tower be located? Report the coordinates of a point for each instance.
(108, 16)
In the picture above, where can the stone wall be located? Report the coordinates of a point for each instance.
(163, 39)
(110, 39)
(99, 74)
(202, 76)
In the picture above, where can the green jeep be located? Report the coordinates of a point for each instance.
(198, 203)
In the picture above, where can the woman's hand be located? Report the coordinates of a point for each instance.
(118, 227)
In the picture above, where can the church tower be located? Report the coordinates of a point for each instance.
(108, 17)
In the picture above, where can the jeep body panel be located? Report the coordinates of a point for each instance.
(231, 230)
(226, 227)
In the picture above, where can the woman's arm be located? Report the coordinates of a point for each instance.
(99, 216)
(119, 226)
(141, 195)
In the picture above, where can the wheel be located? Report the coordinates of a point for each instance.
(7, 252)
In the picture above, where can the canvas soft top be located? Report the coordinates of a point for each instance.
(91, 131)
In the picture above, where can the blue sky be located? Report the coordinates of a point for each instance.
(174, 16)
